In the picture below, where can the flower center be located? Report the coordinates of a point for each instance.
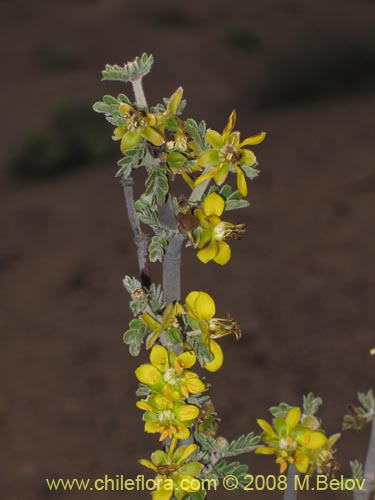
(218, 327)
(226, 230)
(219, 231)
(166, 469)
(171, 377)
(166, 416)
(229, 154)
(135, 121)
(287, 444)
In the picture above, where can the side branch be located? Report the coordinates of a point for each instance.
(141, 239)
(369, 472)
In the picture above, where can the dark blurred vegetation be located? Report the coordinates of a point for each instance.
(73, 137)
(243, 39)
(169, 17)
(49, 59)
(320, 68)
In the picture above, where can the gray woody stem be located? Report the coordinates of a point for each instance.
(291, 492)
(141, 240)
(369, 472)
(172, 257)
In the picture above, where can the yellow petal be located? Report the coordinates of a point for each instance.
(195, 385)
(265, 450)
(187, 359)
(208, 253)
(213, 204)
(218, 357)
(151, 135)
(125, 108)
(293, 417)
(130, 140)
(241, 182)
(268, 429)
(204, 306)
(301, 462)
(247, 157)
(312, 440)
(222, 173)
(186, 452)
(143, 405)
(159, 356)
(152, 426)
(214, 139)
(174, 101)
(148, 374)
(186, 412)
(254, 139)
(230, 125)
(148, 464)
(208, 158)
(118, 133)
(164, 491)
(204, 177)
(151, 322)
(224, 253)
(152, 338)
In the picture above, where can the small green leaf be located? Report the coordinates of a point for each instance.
(250, 172)
(174, 335)
(108, 99)
(156, 248)
(176, 159)
(235, 204)
(157, 184)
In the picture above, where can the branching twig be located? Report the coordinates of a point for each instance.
(291, 492)
(141, 239)
(369, 472)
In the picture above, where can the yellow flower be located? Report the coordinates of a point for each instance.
(228, 151)
(174, 475)
(201, 310)
(169, 319)
(214, 231)
(169, 374)
(291, 442)
(137, 125)
(170, 418)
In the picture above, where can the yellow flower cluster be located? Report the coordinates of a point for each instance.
(297, 439)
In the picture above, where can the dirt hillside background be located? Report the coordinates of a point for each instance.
(301, 282)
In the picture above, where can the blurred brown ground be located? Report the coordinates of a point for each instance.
(302, 281)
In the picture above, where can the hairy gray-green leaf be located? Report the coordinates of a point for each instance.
(146, 210)
(311, 404)
(197, 132)
(244, 444)
(235, 204)
(157, 184)
(133, 337)
(250, 172)
(131, 71)
(281, 410)
(155, 298)
(131, 284)
(157, 247)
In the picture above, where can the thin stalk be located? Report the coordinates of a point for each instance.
(139, 94)
(291, 492)
(369, 471)
(198, 191)
(141, 239)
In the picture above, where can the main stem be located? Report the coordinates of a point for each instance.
(369, 472)
(141, 239)
(291, 492)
